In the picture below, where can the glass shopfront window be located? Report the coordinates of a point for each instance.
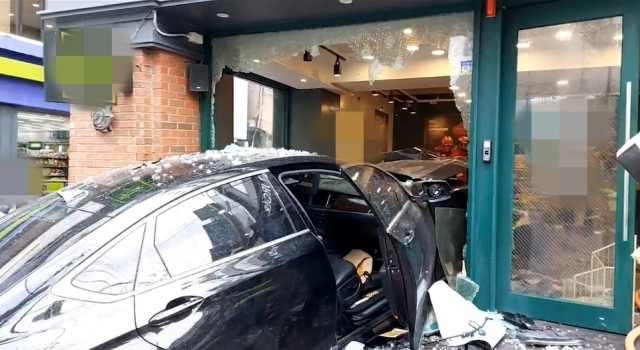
(20, 17)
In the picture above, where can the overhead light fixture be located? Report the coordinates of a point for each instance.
(405, 106)
(346, 2)
(437, 52)
(413, 48)
(337, 70)
(35, 5)
(10, 14)
(303, 80)
(222, 15)
(590, 97)
(467, 101)
(562, 82)
(564, 35)
(462, 94)
(48, 25)
(256, 61)
(407, 31)
(375, 93)
(307, 56)
(524, 45)
(368, 57)
(413, 112)
(390, 97)
(617, 37)
(454, 88)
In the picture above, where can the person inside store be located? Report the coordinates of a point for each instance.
(446, 146)
(462, 147)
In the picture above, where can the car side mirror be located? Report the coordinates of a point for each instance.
(431, 191)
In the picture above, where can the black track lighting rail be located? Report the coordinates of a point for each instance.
(332, 52)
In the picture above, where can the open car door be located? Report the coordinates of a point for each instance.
(408, 242)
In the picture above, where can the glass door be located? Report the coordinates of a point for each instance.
(569, 100)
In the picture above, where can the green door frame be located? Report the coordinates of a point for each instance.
(619, 318)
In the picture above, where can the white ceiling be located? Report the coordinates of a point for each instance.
(37, 122)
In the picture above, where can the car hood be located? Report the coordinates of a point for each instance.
(427, 169)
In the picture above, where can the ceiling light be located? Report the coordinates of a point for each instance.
(337, 70)
(617, 37)
(524, 45)
(256, 61)
(48, 25)
(303, 80)
(590, 97)
(467, 101)
(368, 57)
(10, 14)
(413, 48)
(35, 5)
(346, 1)
(390, 97)
(307, 56)
(562, 82)
(453, 88)
(564, 35)
(413, 112)
(437, 52)
(405, 106)
(222, 15)
(462, 94)
(375, 93)
(407, 31)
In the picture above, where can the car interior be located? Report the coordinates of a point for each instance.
(349, 231)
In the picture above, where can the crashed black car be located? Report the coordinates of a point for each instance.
(246, 249)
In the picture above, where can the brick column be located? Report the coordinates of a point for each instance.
(160, 118)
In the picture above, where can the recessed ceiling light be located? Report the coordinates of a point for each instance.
(413, 112)
(48, 25)
(222, 15)
(462, 94)
(562, 82)
(437, 52)
(303, 80)
(10, 14)
(375, 93)
(407, 31)
(368, 57)
(524, 45)
(467, 101)
(413, 48)
(564, 35)
(256, 61)
(454, 88)
(346, 1)
(617, 37)
(35, 5)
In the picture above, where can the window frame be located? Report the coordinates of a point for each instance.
(19, 22)
(64, 287)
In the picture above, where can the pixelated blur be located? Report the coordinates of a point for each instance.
(21, 181)
(86, 66)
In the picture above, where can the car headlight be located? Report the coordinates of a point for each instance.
(437, 191)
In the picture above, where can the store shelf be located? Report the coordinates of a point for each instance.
(54, 167)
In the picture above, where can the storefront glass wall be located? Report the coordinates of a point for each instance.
(20, 17)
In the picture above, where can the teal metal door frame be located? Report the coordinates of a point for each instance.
(619, 318)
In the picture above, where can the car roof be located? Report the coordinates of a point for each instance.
(174, 176)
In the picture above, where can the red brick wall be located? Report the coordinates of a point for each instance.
(160, 118)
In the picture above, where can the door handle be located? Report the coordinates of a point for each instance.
(188, 304)
(626, 185)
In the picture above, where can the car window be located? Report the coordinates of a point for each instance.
(334, 183)
(114, 272)
(220, 222)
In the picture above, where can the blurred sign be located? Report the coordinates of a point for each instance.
(465, 67)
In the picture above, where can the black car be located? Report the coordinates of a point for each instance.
(250, 249)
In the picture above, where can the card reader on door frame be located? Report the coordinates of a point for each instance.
(486, 150)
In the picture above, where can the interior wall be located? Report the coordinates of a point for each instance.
(224, 111)
(312, 124)
(377, 135)
(413, 130)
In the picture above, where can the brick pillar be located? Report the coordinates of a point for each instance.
(160, 118)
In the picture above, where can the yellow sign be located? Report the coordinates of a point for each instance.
(23, 70)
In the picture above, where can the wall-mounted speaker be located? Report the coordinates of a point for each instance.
(199, 78)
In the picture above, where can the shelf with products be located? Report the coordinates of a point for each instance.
(54, 166)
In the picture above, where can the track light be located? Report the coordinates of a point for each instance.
(375, 93)
(337, 70)
(391, 97)
(307, 56)
(405, 106)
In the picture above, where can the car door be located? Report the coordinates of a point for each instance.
(230, 268)
(409, 244)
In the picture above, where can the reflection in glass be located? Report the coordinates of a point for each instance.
(565, 134)
(253, 114)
